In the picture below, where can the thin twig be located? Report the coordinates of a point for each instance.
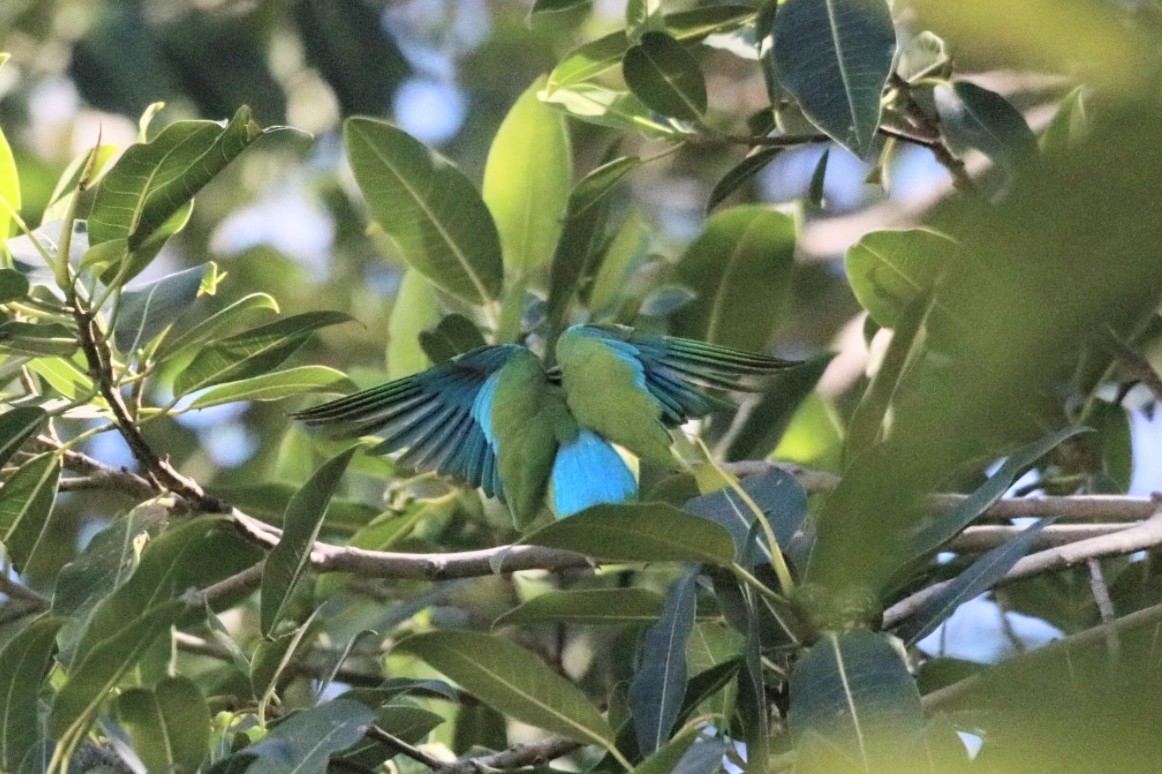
(377, 734)
(1105, 607)
(1133, 362)
(516, 757)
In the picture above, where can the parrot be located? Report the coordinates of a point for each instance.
(496, 418)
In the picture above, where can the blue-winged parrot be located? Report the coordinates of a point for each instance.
(497, 419)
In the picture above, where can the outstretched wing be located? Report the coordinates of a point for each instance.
(676, 371)
(441, 416)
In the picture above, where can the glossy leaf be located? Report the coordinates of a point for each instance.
(741, 267)
(169, 724)
(596, 57)
(659, 684)
(527, 180)
(251, 352)
(615, 108)
(649, 532)
(663, 75)
(511, 680)
(429, 209)
(13, 285)
(975, 117)
(765, 422)
(24, 661)
(977, 579)
(149, 309)
(854, 690)
(26, 501)
(277, 385)
(588, 606)
(415, 309)
(17, 425)
(152, 182)
(301, 524)
(305, 742)
(454, 335)
(835, 56)
(246, 309)
(888, 270)
(740, 174)
(940, 529)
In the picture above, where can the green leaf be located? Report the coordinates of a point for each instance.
(244, 309)
(659, 684)
(615, 108)
(403, 721)
(149, 309)
(415, 309)
(589, 606)
(627, 248)
(513, 681)
(554, 6)
(66, 186)
(9, 187)
(888, 270)
(939, 530)
(277, 385)
(17, 425)
(527, 180)
(818, 177)
(1068, 125)
(13, 285)
(740, 174)
(667, 758)
(301, 524)
(26, 501)
(835, 56)
(642, 16)
(765, 422)
(43, 339)
(663, 75)
(596, 185)
(147, 189)
(741, 267)
(854, 690)
(1115, 444)
(428, 207)
(974, 117)
(454, 335)
(924, 56)
(305, 742)
(64, 375)
(596, 57)
(169, 724)
(646, 532)
(977, 579)
(252, 352)
(776, 492)
(24, 661)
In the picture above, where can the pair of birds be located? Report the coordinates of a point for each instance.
(497, 419)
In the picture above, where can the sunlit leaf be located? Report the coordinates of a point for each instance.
(638, 533)
(835, 56)
(429, 209)
(277, 385)
(9, 187)
(627, 248)
(246, 309)
(554, 6)
(415, 309)
(663, 75)
(252, 352)
(659, 684)
(26, 501)
(301, 525)
(740, 266)
(527, 180)
(615, 108)
(512, 680)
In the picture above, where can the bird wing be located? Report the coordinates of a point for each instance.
(440, 416)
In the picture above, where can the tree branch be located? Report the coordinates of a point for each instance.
(516, 757)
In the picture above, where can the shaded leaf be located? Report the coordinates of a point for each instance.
(592, 188)
(26, 502)
(513, 681)
(589, 606)
(854, 690)
(702, 686)
(454, 335)
(403, 721)
(974, 117)
(305, 742)
(647, 532)
(169, 724)
(835, 56)
(925, 55)
(1068, 125)
(659, 684)
(277, 385)
(415, 309)
(252, 352)
(818, 177)
(663, 75)
(628, 247)
(888, 270)
(664, 760)
(428, 207)
(764, 422)
(643, 16)
(245, 309)
(777, 493)
(24, 662)
(740, 174)
(741, 268)
(13, 285)
(527, 180)
(554, 6)
(1114, 441)
(301, 524)
(43, 339)
(149, 309)
(17, 425)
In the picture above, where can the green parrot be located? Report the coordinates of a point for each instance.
(497, 419)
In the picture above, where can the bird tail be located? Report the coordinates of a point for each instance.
(588, 471)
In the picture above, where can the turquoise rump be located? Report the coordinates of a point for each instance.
(497, 419)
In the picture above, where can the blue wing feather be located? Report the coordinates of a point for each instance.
(439, 416)
(588, 471)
